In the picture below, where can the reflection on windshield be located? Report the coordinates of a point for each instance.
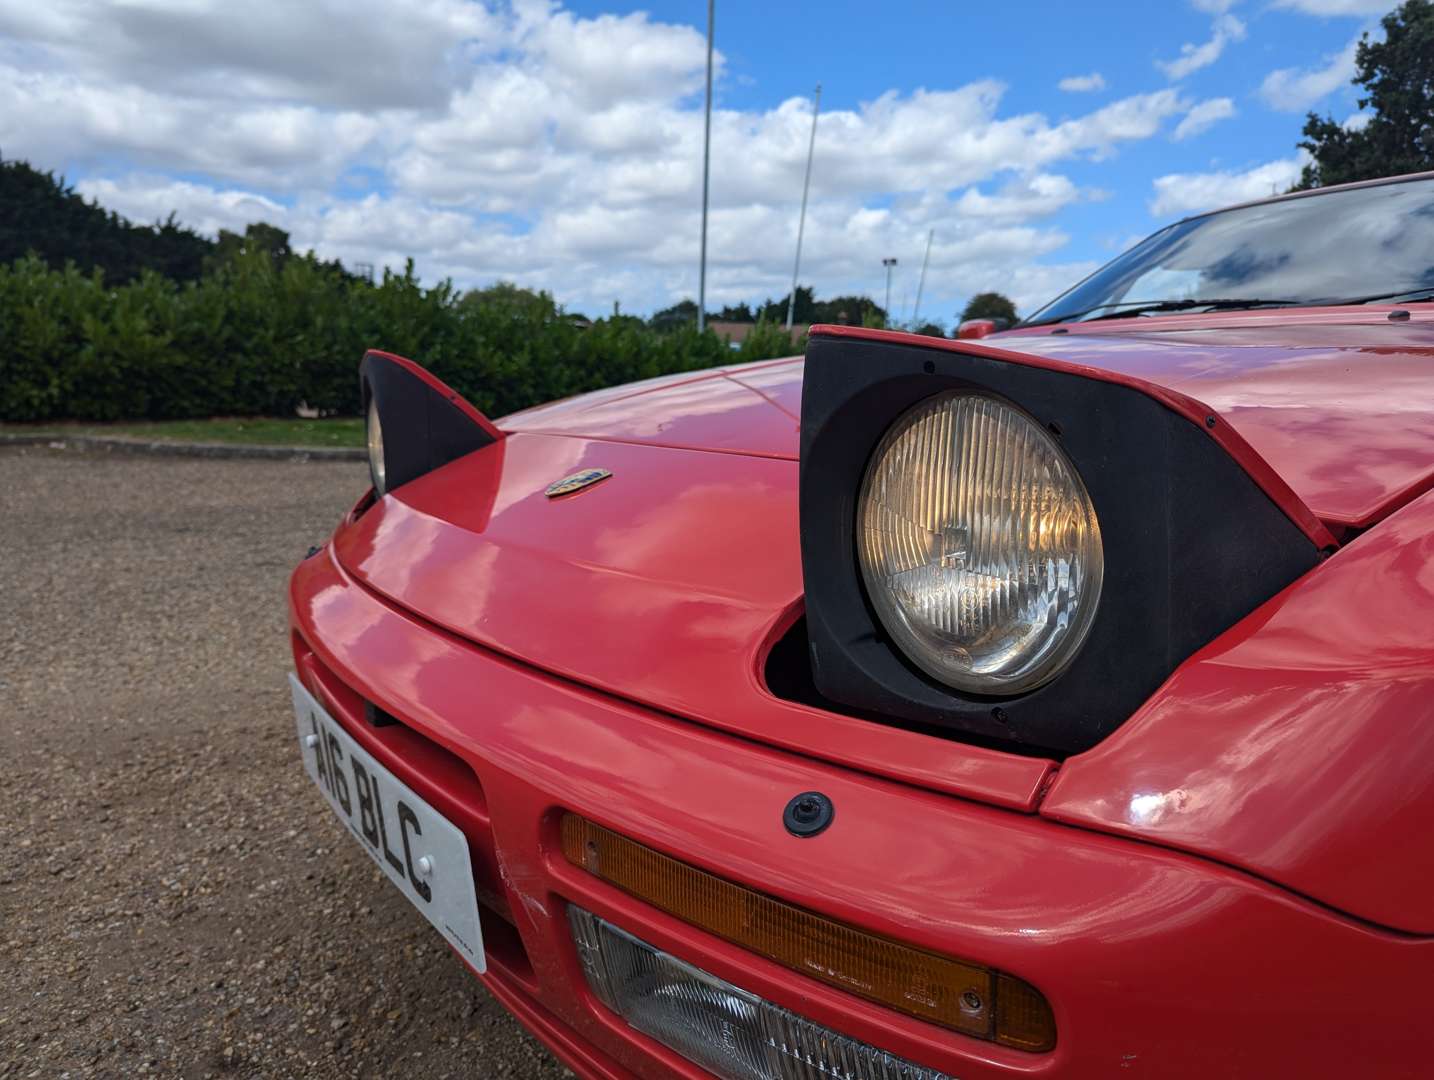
(1340, 245)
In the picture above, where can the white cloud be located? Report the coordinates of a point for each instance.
(1202, 116)
(1224, 29)
(74, 117)
(1083, 84)
(1190, 193)
(657, 61)
(497, 151)
(1213, 7)
(1357, 121)
(1326, 8)
(206, 210)
(1035, 196)
(1294, 90)
(349, 54)
(1133, 118)
(531, 143)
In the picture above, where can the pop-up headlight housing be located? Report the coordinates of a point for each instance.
(415, 422)
(1018, 549)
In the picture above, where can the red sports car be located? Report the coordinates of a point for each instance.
(1059, 704)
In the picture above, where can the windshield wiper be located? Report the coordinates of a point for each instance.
(1408, 296)
(1127, 308)
(1222, 304)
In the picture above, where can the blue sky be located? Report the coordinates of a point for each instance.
(559, 146)
(774, 51)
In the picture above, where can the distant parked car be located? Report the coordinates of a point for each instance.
(978, 328)
(1058, 704)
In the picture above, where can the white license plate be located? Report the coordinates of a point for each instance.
(420, 850)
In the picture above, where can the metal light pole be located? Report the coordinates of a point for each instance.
(706, 173)
(888, 263)
(921, 283)
(802, 221)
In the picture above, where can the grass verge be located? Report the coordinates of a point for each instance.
(253, 431)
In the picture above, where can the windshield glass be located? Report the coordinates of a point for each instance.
(1337, 246)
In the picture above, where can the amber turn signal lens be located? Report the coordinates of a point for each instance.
(964, 997)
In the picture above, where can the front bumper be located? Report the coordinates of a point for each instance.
(1155, 963)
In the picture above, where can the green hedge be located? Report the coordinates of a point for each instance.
(256, 339)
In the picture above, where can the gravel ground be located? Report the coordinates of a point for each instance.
(175, 898)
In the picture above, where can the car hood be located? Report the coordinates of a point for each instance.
(751, 409)
(1339, 401)
(666, 583)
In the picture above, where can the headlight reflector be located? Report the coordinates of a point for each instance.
(375, 449)
(979, 545)
(730, 1032)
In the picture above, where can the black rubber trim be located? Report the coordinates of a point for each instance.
(1191, 543)
(422, 429)
(376, 717)
(808, 814)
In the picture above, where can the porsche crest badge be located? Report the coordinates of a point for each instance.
(576, 482)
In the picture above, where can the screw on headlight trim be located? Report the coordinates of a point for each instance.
(808, 814)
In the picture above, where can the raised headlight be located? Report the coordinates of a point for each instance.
(375, 449)
(979, 546)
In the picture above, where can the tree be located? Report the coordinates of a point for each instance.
(846, 310)
(680, 314)
(803, 311)
(737, 313)
(929, 329)
(516, 301)
(1398, 79)
(989, 305)
(850, 311)
(269, 239)
(43, 214)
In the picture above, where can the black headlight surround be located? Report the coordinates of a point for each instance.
(426, 424)
(1191, 542)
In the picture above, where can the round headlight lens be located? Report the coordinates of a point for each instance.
(375, 449)
(979, 545)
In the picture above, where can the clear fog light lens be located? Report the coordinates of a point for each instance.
(375, 449)
(978, 544)
(721, 1027)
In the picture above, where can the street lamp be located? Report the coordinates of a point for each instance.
(802, 221)
(921, 283)
(706, 173)
(888, 263)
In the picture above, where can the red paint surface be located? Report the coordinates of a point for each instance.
(1338, 401)
(1156, 963)
(665, 584)
(751, 409)
(1299, 744)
